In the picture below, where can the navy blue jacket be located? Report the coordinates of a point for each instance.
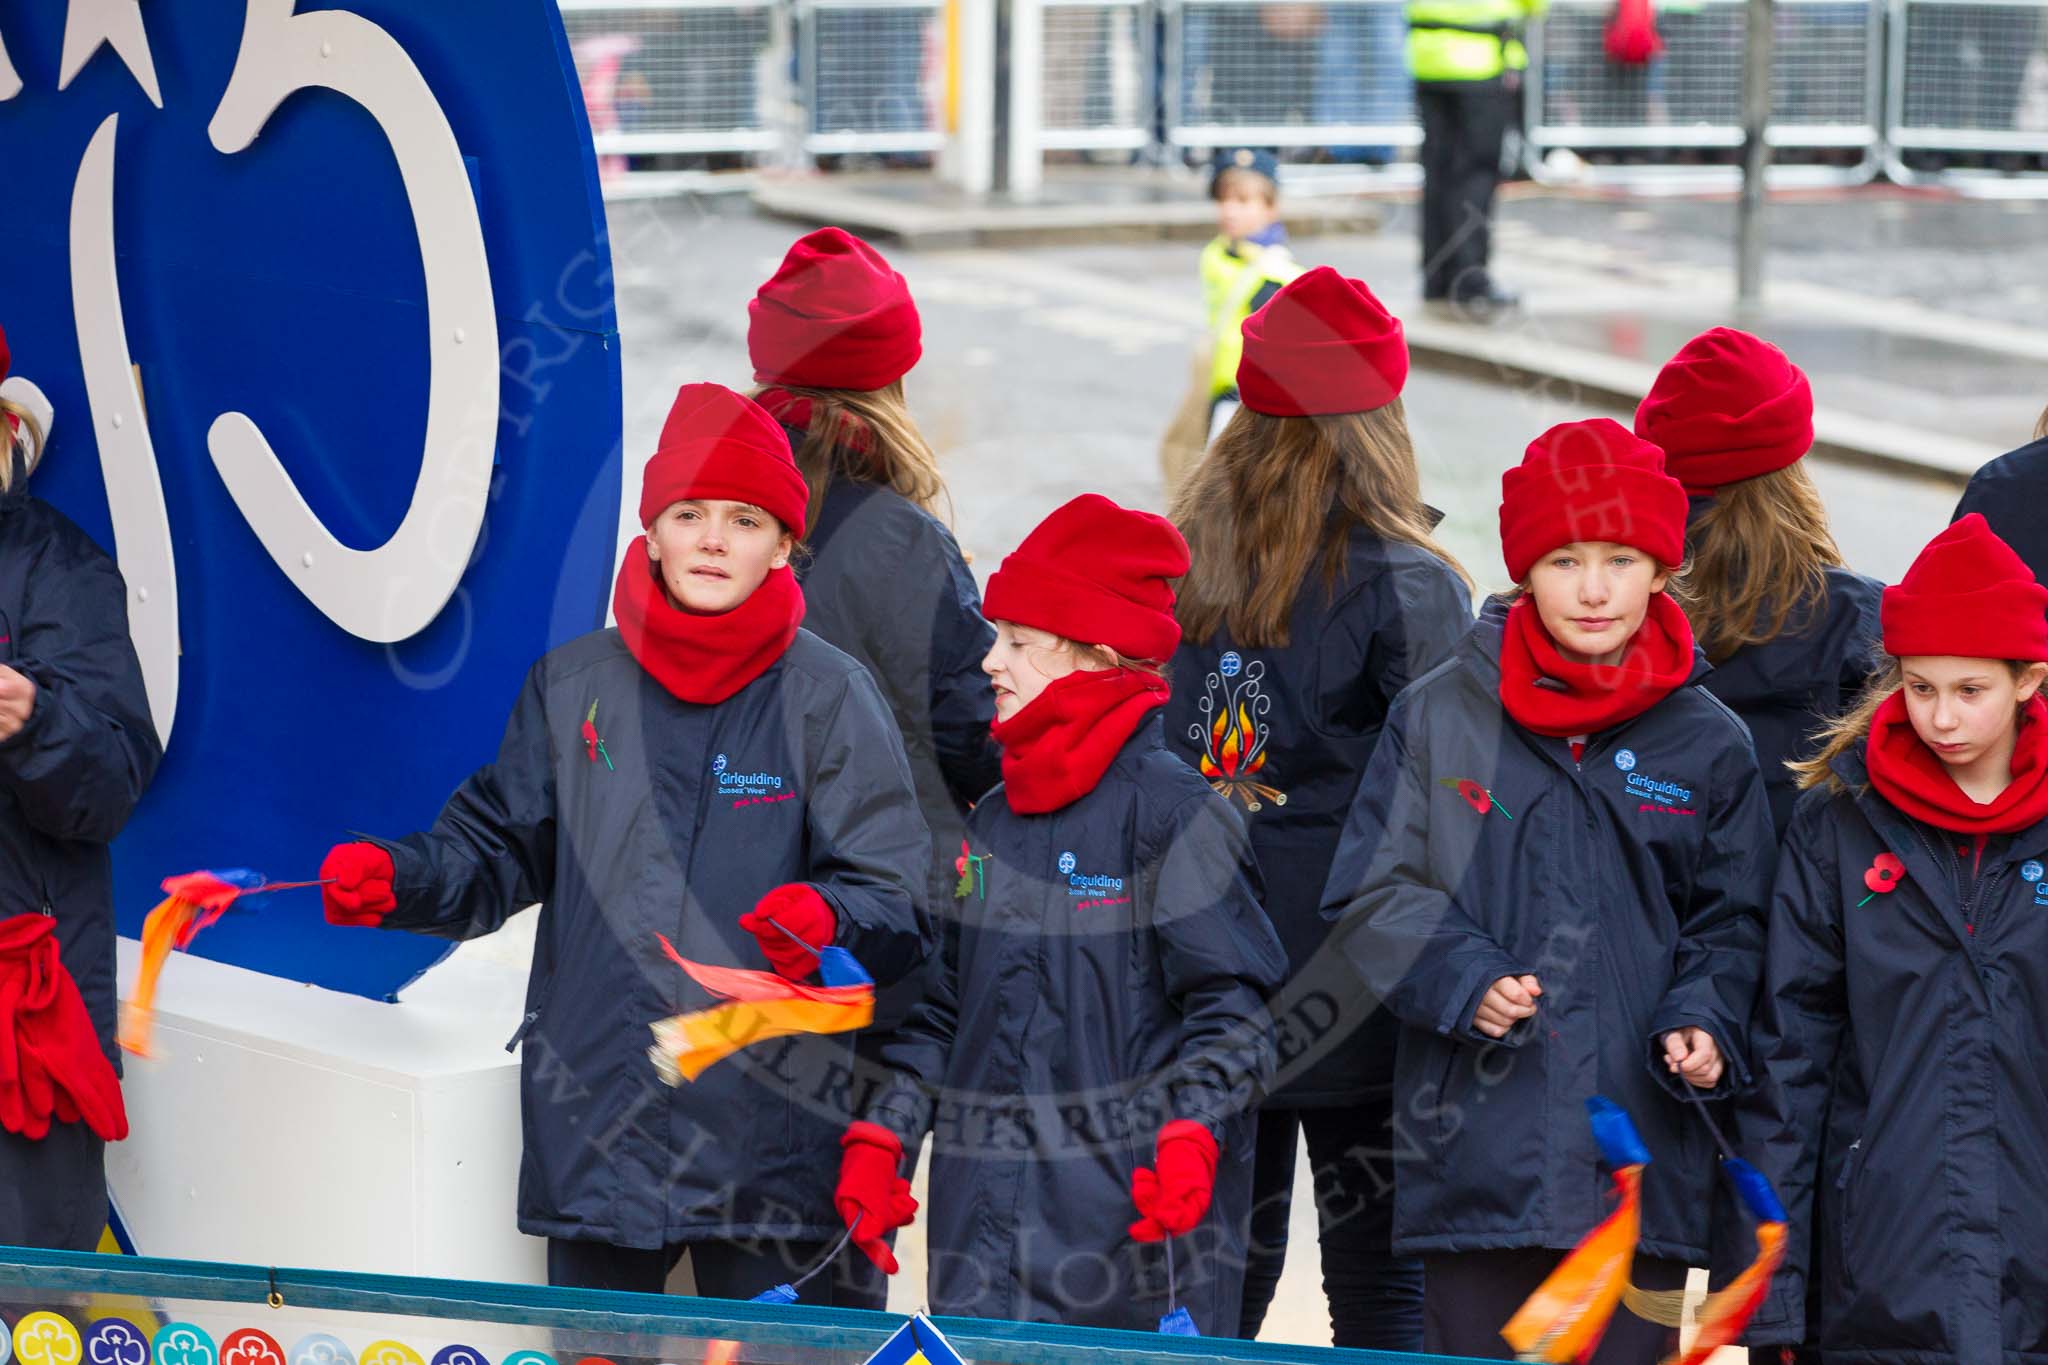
(1285, 733)
(1791, 687)
(1631, 885)
(1902, 1110)
(693, 813)
(1107, 975)
(71, 775)
(886, 584)
(2010, 492)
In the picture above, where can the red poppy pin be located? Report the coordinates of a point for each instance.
(1476, 796)
(591, 741)
(1884, 874)
(973, 882)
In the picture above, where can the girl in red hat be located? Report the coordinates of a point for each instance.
(1089, 1056)
(831, 334)
(1901, 1114)
(706, 772)
(1318, 592)
(1790, 631)
(1554, 876)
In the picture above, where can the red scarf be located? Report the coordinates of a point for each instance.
(703, 659)
(794, 411)
(1058, 747)
(1552, 695)
(1913, 778)
(51, 1062)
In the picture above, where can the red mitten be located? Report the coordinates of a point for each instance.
(55, 1064)
(871, 1191)
(1175, 1196)
(799, 909)
(358, 885)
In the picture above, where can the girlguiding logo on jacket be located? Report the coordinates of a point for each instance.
(749, 789)
(1067, 864)
(1088, 889)
(2031, 872)
(1652, 795)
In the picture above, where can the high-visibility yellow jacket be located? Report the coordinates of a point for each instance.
(1467, 40)
(1230, 285)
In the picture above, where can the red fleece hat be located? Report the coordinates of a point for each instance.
(1968, 595)
(1590, 480)
(1727, 407)
(1096, 573)
(719, 444)
(1322, 345)
(6, 356)
(833, 316)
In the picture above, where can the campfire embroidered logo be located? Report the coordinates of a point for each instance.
(1476, 796)
(1234, 735)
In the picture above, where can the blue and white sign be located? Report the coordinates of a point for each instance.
(321, 297)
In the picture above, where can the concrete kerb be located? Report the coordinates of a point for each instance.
(953, 226)
(1593, 377)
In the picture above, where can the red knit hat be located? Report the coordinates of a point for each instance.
(1590, 480)
(1727, 407)
(1322, 345)
(718, 444)
(833, 316)
(6, 356)
(1097, 573)
(1968, 595)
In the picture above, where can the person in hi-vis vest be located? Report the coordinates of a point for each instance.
(1467, 59)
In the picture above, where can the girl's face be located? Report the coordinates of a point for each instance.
(712, 555)
(1967, 709)
(1024, 661)
(1592, 596)
(1242, 210)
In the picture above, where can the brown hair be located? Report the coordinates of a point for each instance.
(866, 435)
(2041, 427)
(1760, 552)
(1841, 734)
(1240, 177)
(1278, 496)
(25, 439)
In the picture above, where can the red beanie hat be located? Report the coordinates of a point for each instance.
(1727, 407)
(6, 356)
(1322, 345)
(1096, 573)
(1968, 595)
(718, 444)
(1590, 481)
(833, 316)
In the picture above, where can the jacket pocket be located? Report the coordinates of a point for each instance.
(1845, 1191)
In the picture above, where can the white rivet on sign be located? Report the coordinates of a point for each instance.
(117, 421)
(461, 335)
(307, 559)
(326, 49)
(142, 594)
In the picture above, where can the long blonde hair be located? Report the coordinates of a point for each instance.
(1257, 514)
(1760, 552)
(2041, 427)
(866, 435)
(23, 438)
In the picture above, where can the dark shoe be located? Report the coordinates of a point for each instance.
(1485, 306)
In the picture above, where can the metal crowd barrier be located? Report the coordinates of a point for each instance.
(1278, 73)
(872, 74)
(1825, 89)
(1097, 82)
(1967, 77)
(683, 76)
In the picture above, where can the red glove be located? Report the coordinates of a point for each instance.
(51, 1062)
(1174, 1198)
(870, 1190)
(358, 885)
(798, 908)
